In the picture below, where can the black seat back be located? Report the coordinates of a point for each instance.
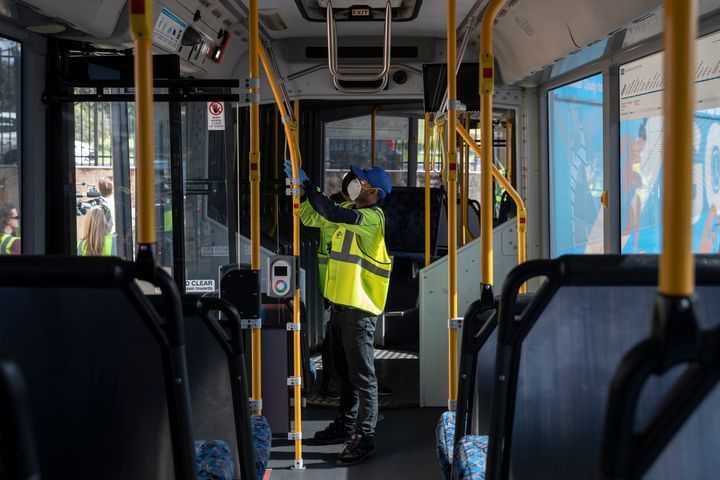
(559, 358)
(96, 358)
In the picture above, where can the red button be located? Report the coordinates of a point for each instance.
(137, 6)
(487, 72)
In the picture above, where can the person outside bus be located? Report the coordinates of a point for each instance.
(97, 239)
(105, 187)
(9, 239)
(357, 279)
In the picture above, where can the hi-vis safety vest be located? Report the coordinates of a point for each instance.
(322, 253)
(108, 246)
(6, 243)
(358, 275)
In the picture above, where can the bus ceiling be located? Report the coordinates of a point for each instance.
(529, 34)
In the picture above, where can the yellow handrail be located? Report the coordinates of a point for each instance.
(142, 29)
(291, 136)
(463, 197)
(426, 161)
(452, 209)
(508, 150)
(254, 169)
(487, 88)
(677, 270)
(520, 205)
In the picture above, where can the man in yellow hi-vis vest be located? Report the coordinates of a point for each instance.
(356, 284)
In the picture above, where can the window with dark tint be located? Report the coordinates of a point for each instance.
(10, 146)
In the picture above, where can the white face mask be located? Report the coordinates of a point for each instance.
(353, 189)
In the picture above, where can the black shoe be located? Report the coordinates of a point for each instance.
(333, 433)
(384, 391)
(356, 450)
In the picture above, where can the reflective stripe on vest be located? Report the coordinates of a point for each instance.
(357, 277)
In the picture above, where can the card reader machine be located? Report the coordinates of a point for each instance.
(281, 276)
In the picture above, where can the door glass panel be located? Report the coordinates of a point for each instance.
(575, 114)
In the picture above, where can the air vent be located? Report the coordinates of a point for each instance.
(205, 3)
(402, 10)
(217, 13)
(227, 23)
(362, 52)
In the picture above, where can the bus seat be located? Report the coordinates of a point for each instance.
(569, 342)
(469, 462)
(445, 440)
(262, 443)
(214, 460)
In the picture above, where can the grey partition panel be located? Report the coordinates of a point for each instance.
(485, 364)
(210, 390)
(568, 361)
(95, 382)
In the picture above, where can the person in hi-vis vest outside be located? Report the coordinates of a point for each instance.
(9, 238)
(357, 278)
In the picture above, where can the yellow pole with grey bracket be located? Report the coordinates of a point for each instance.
(453, 107)
(291, 137)
(254, 84)
(487, 88)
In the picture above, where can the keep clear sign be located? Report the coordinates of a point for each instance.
(216, 116)
(199, 286)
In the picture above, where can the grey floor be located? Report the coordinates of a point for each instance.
(405, 449)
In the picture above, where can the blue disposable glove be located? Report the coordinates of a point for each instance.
(302, 176)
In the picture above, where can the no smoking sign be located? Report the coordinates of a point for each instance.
(216, 116)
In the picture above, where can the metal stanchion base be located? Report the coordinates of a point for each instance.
(298, 465)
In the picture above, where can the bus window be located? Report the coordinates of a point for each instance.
(641, 152)
(104, 147)
(348, 142)
(10, 100)
(575, 119)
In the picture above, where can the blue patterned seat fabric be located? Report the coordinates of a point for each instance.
(470, 458)
(262, 440)
(444, 436)
(213, 460)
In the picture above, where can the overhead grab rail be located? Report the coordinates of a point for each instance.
(334, 68)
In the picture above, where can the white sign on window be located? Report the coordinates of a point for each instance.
(199, 286)
(216, 116)
(169, 30)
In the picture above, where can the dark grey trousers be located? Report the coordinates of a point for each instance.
(351, 337)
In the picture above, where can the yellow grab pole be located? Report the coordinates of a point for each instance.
(373, 153)
(426, 161)
(487, 88)
(255, 196)
(464, 187)
(677, 273)
(297, 365)
(519, 204)
(291, 137)
(508, 150)
(452, 210)
(463, 199)
(142, 28)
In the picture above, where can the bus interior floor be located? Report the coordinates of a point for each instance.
(404, 449)
(397, 371)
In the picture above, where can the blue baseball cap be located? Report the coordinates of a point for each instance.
(376, 176)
